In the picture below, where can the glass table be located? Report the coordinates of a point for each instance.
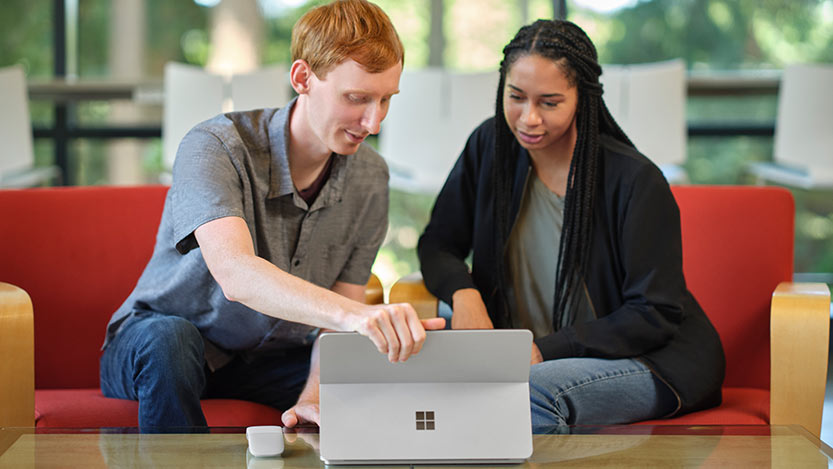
(607, 446)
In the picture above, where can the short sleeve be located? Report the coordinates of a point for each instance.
(206, 186)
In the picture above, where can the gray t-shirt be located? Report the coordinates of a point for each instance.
(532, 260)
(236, 165)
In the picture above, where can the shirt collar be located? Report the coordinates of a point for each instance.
(280, 178)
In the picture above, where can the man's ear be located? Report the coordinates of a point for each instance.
(300, 75)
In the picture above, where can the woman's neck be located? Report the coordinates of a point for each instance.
(552, 164)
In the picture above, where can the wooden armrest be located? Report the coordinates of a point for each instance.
(17, 358)
(411, 289)
(799, 332)
(374, 294)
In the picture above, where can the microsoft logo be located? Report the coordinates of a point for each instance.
(425, 420)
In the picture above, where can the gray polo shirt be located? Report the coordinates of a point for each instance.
(236, 165)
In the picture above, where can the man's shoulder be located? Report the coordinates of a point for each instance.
(247, 125)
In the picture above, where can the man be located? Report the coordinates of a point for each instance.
(267, 236)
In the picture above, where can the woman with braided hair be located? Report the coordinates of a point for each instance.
(574, 235)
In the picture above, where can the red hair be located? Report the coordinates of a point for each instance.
(346, 29)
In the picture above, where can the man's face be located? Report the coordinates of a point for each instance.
(349, 104)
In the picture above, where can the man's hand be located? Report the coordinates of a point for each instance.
(395, 329)
(469, 311)
(304, 411)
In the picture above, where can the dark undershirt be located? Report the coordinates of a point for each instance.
(310, 193)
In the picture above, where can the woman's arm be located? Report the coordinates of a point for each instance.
(647, 225)
(447, 240)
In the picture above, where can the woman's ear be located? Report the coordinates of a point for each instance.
(300, 75)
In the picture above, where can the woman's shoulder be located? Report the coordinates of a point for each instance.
(479, 148)
(484, 134)
(625, 164)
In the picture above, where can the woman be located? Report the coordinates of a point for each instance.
(576, 236)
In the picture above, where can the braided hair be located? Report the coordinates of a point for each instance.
(569, 47)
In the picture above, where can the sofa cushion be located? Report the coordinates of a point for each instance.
(88, 408)
(741, 406)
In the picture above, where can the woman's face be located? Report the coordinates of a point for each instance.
(540, 105)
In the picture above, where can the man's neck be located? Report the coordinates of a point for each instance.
(306, 154)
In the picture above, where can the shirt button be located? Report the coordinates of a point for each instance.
(297, 262)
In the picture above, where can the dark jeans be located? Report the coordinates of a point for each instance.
(158, 360)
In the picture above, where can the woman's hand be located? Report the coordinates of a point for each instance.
(536, 355)
(469, 311)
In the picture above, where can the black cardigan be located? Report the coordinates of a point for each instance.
(634, 275)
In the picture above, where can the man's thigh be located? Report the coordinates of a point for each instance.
(150, 346)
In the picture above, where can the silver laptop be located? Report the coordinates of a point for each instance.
(463, 399)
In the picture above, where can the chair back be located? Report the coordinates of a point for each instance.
(266, 87)
(193, 94)
(737, 247)
(803, 137)
(648, 101)
(78, 252)
(15, 129)
(429, 122)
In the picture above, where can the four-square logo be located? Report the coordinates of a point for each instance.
(425, 420)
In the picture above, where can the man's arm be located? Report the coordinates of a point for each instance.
(227, 248)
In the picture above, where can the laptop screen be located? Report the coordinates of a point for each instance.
(441, 405)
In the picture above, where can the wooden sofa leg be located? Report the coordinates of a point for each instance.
(799, 334)
(17, 358)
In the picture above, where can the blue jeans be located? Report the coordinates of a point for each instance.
(158, 360)
(595, 391)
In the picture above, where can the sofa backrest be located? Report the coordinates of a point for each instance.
(78, 252)
(737, 247)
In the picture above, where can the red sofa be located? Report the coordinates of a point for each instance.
(77, 253)
(738, 262)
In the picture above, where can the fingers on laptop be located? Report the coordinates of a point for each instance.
(395, 329)
(433, 324)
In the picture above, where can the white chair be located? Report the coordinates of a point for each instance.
(17, 158)
(266, 87)
(193, 94)
(803, 142)
(429, 122)
(648, 101)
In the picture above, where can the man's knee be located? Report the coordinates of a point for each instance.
(169, 345)
(170, 334)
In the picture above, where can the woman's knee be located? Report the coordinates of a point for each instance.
(547, 404)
